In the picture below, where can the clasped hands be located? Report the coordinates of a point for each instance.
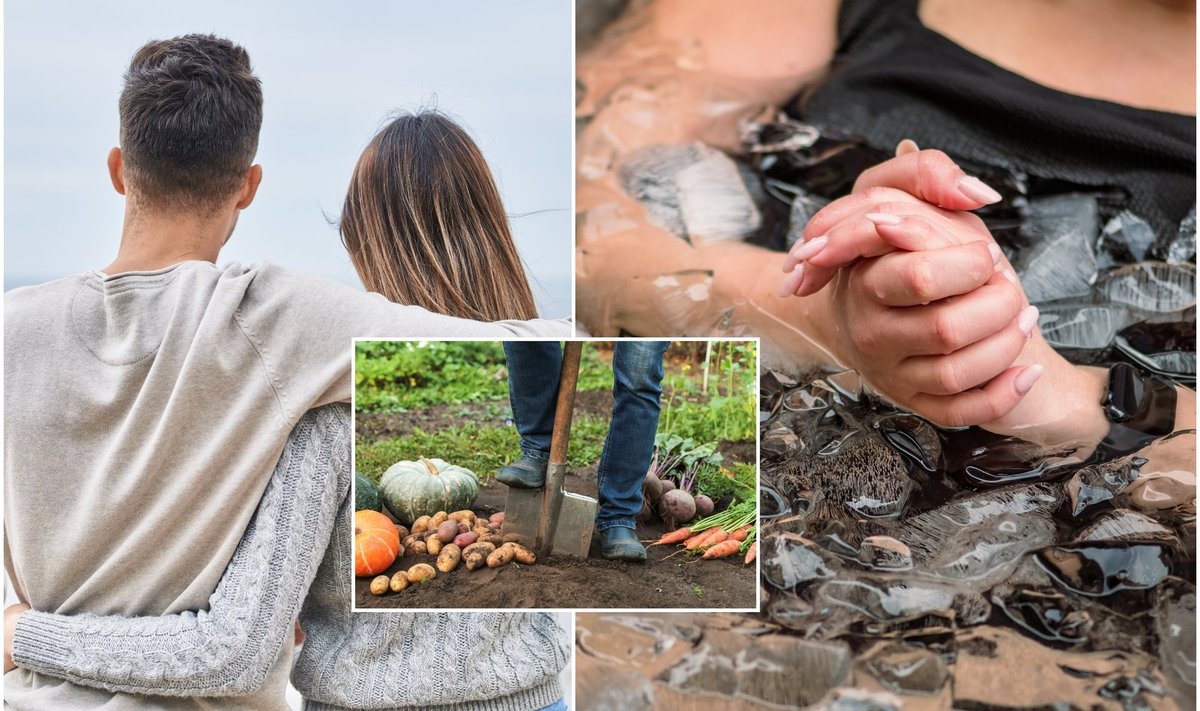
(920, 299)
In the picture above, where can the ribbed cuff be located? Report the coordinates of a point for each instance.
(41, 643)
(525, 700)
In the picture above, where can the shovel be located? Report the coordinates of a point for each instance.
(552, 521)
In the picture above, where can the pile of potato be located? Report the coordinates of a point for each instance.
(459, 537)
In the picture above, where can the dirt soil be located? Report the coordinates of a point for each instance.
(663, 581)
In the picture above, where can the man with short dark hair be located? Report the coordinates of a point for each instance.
(146, 405)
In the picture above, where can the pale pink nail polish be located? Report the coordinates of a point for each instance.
(811, 248)
(1011, 276)
(1024, 381)
(977, 190)
(882, 218)
(997, 255)
(1027, 320)
(791, 283)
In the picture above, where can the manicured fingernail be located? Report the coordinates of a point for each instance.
(883, 218)
(811, 248)
(1024, 381)
(1011, 276)
(1027, 320)
(977, 190)
(907, 146)
(791, 283)
(997, 255)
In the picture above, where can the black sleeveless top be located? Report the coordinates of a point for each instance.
(893, 78)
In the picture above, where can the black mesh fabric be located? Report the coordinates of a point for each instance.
(893, 78)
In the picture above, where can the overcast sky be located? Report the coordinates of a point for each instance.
(331, 72)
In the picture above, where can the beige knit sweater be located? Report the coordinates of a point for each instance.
(144, 414)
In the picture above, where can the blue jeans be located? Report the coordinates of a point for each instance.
(560, 705)
(533, 371)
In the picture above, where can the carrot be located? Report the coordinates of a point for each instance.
(722, 549)
(704, 539)
(719, 536)
(741, 533)
(673, 537)
(751, 553)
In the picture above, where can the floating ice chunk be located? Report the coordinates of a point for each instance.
(1086, 327)
(1155, 287)
(762, 669)
(1129, 232)
(1183, 245)
(1060, 262)
(804, 206)
(713, 199)
(906, 669)
(694, 191)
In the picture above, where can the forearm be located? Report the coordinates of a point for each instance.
(228, 649)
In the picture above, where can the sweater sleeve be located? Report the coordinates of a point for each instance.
(303, 326)
(230, 648)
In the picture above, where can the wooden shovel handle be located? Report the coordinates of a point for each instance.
(564, 408)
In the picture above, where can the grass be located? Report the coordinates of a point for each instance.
(402, 376)
(483, 450)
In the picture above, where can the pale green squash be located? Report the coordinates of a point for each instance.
(422, 488)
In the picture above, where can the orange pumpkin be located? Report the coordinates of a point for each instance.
(376, 543)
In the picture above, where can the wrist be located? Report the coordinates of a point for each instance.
(1062, 410)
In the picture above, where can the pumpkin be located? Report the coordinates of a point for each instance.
(376, 543)
(367, 496)
(425, 487)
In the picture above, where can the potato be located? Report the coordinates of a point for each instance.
(401, 531)
(522, 554)
(438, 519)
(463, 528)
(421, 525)
(491, 537)
(495, 526)
(421, 572)
(484, 546)
(417, 547)
(500, 557)
(449, 558)
(476, 555)
(408, 540)
(433, 544)
(447, 531)
(399, 581)
(463, 540)
(481, 528)
(497, 517)
(379, 585)
(466, 516)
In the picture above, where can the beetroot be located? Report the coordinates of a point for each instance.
(704, 506)
(667, 485)
(652, 487)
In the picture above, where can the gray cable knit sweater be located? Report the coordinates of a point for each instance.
(300, 536)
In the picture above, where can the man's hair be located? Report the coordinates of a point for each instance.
(191, 110)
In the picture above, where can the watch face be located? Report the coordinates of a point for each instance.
(1125, 393)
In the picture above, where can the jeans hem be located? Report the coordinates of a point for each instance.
(536, 454)
(619, 523)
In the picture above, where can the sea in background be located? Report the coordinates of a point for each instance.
(331, 74)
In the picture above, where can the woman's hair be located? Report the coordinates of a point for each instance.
(424, 224)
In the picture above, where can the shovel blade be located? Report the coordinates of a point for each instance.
(576, 519)
(522, 514)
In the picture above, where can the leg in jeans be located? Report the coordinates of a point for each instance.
(534, 368)
(637, 389)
